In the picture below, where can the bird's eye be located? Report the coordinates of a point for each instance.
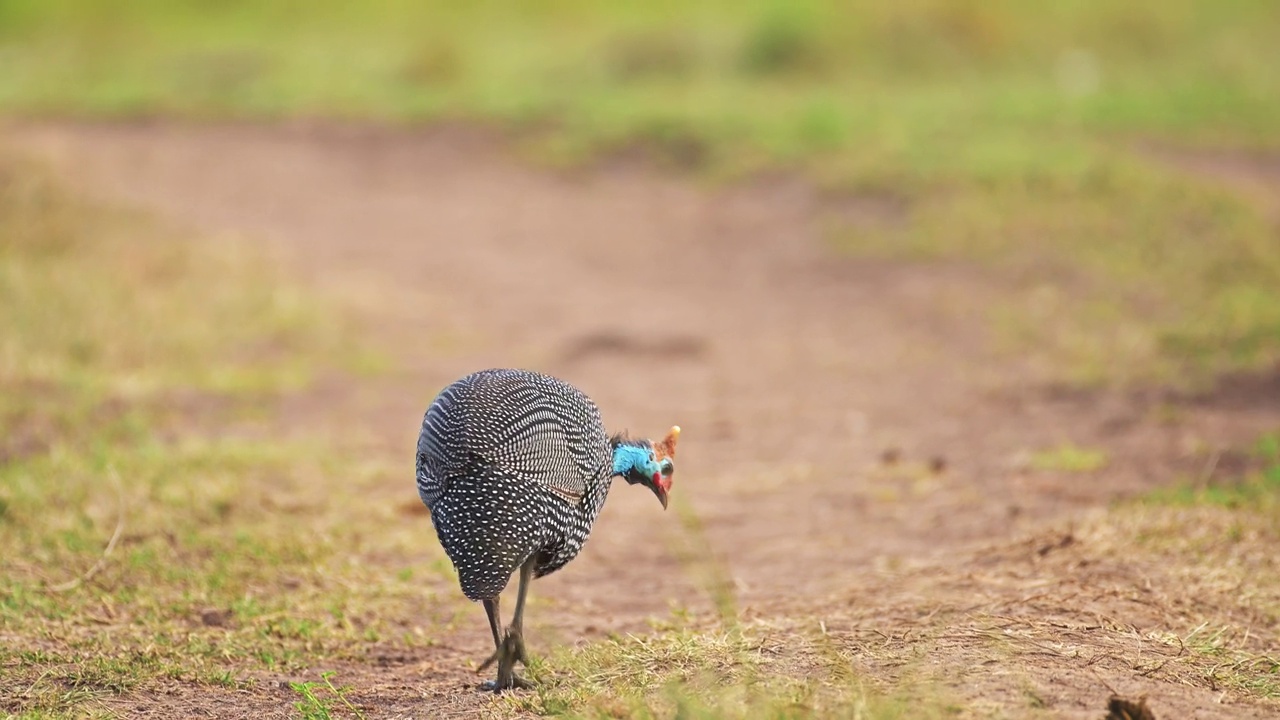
(667, 466)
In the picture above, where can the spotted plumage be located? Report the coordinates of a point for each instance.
(511, 462)
(515, 466)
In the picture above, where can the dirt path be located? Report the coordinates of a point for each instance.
(791, 370)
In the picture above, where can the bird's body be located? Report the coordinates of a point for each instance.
(515, 467)
(512, 465)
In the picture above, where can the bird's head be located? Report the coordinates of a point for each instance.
(645, 462)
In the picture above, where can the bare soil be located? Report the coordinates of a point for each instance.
(851, 442)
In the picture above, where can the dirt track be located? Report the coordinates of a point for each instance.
(791, 370)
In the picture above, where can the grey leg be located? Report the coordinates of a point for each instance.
(495, 620)
(510, 645)
(491, 608)
(517, 623)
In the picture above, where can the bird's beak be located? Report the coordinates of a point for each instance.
(662, 493)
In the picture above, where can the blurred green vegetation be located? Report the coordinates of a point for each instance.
(925, 86)
(1018, 134)
(1069, 458)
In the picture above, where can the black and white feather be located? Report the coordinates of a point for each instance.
(512, 463)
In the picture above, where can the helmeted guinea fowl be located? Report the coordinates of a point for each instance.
(515, 466)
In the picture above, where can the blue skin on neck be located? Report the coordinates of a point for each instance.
(629, 457)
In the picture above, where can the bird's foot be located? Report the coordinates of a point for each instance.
(512, 643)
(511, 682)
(516, 639)
(507, 655)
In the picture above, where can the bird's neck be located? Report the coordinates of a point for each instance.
(626, 457)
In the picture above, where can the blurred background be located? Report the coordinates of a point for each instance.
(1133, 142)
(912, 276)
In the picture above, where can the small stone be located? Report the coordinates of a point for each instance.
(215, 618)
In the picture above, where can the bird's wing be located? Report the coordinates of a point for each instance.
(554, 435)
(533, 426)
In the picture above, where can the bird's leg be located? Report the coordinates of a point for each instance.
(516, 631)
(510, 645)
(495, 625)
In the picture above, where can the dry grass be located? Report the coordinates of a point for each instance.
(150, 530)
(1154, 596)
(139, 423)
(752, 672)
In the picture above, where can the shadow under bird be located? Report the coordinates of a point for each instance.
(515, 466)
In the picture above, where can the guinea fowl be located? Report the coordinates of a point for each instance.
(515, 466)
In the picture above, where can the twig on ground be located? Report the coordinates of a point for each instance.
(111, 544)
(1206, 473)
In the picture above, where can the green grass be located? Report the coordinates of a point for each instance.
(148, 524)
(319, 699)
(1257, 490)
(1005, 131)
(1069, 458)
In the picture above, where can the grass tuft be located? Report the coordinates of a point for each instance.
(319, 698)
(1069, 458)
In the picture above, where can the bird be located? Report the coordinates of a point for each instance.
(514, 466)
